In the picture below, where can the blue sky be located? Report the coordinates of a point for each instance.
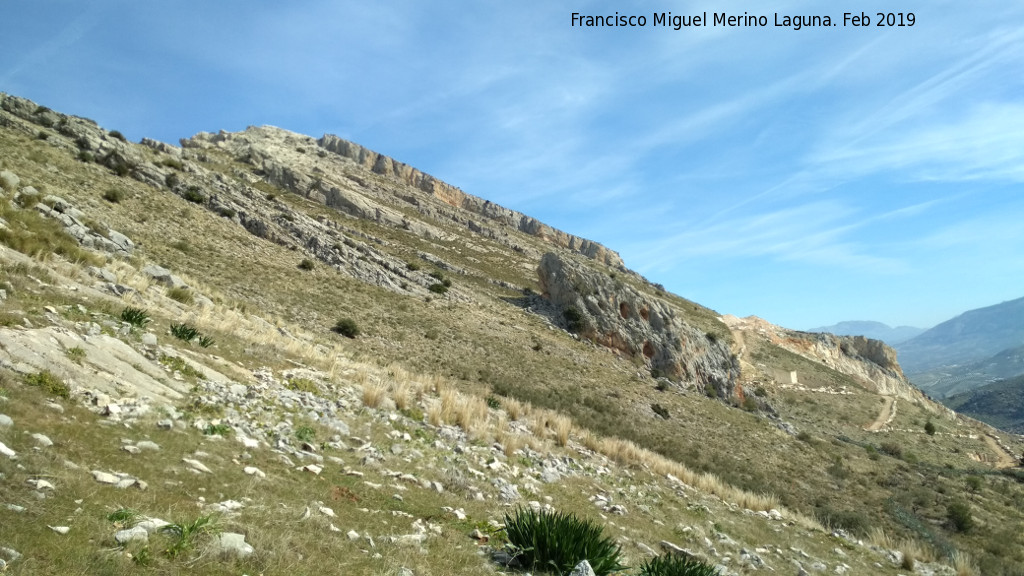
(806, 176)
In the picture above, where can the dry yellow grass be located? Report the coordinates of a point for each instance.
(514, 408)
(963, 564)
(449, 400)
(562, 425)
(435, 413)
(470, 413)
(915, 551)
(373, 394)
(400, 394)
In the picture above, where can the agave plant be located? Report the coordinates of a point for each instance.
(135, 316)
(672, 565)
(184, 332)
(559, 541)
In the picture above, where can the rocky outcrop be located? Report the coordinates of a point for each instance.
(613, 314)
(871, 362)
(380, 164)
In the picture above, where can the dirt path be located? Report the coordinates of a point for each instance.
(1003, 460)
(883, 416)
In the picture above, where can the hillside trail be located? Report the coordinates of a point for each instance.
(883, 415)
(1003, 460)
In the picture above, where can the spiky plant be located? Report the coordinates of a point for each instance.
(184, 332)
(559, 541)
(137, 317)
(672, 565)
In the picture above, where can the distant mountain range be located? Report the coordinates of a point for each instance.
(869, 329)
(971, 337)
(945, 381)
(1000, 404)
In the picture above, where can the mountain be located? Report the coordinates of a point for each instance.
(949, 380)
(869, 329)
(970, 337)
(307, 356)
(1000, 404)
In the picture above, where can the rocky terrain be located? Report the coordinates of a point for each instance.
(263, 353)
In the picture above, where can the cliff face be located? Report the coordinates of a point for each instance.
(452, 196)
(613, 314)
(871, 362)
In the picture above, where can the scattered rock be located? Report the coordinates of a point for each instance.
(138, 533)
(7, 451)
(583, 569)
(231, 544)
(5, 421)
(60, 529)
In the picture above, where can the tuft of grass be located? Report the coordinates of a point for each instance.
(124, 517)
(672, 565)
(185, 332)
(558, 541)
(307, 264)
(113, 195)
(302, 385)
(50, 383)
(137, 317)
(205, 341)
(217, 430)
(179, 365)
(183, 295)
(76, 354)
(184, 535)
(305, 434)
(373, 395)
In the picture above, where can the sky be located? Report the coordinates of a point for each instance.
(805, 176)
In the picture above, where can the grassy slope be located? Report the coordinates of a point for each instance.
(489, 344)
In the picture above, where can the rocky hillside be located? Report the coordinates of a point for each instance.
(302, 355)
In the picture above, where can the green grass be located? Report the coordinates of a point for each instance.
(556, 542)
(50, 383)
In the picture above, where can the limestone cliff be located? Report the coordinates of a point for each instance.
(613, 314)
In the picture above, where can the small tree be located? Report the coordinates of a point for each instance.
(959, 516)
(929, 428)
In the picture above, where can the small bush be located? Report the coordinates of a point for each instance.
(749, 404)
(672, 565)
(493, 402)
(849, 520)
(302, 385)
(50, 383)
(412, 266)
(959, 516)
(114, 195)
(86, 156)
(77, 354)
(305, 434)
(172, 163)
(805, 436)
(217, 430)
(225, 212)
(205, 341)
(306, 264)
(172, 180)
(892, 449)
(438, 288)
(184, 535)
(194, 195)
(347, 327)
(117, 134)
(183, 295)
(184, 332)
(573, 319)
(929, 428)
(558, 541)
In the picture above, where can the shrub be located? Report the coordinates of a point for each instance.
(959, 516)
(76, 354)
(849, 520)
(117, 134)
(347, 327)
(412, 266)
(305, 434)
(217, 430)
(306, 264)
(86, 156)
(184, 332)
(672, 565)
(114, 195)
(137, 317)
(929, 428)
(438, 288)
(172, 163)
(573, 319)
(49, 382)
(194, 195)
(172, 180)
(892, 449)
(558, 541)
